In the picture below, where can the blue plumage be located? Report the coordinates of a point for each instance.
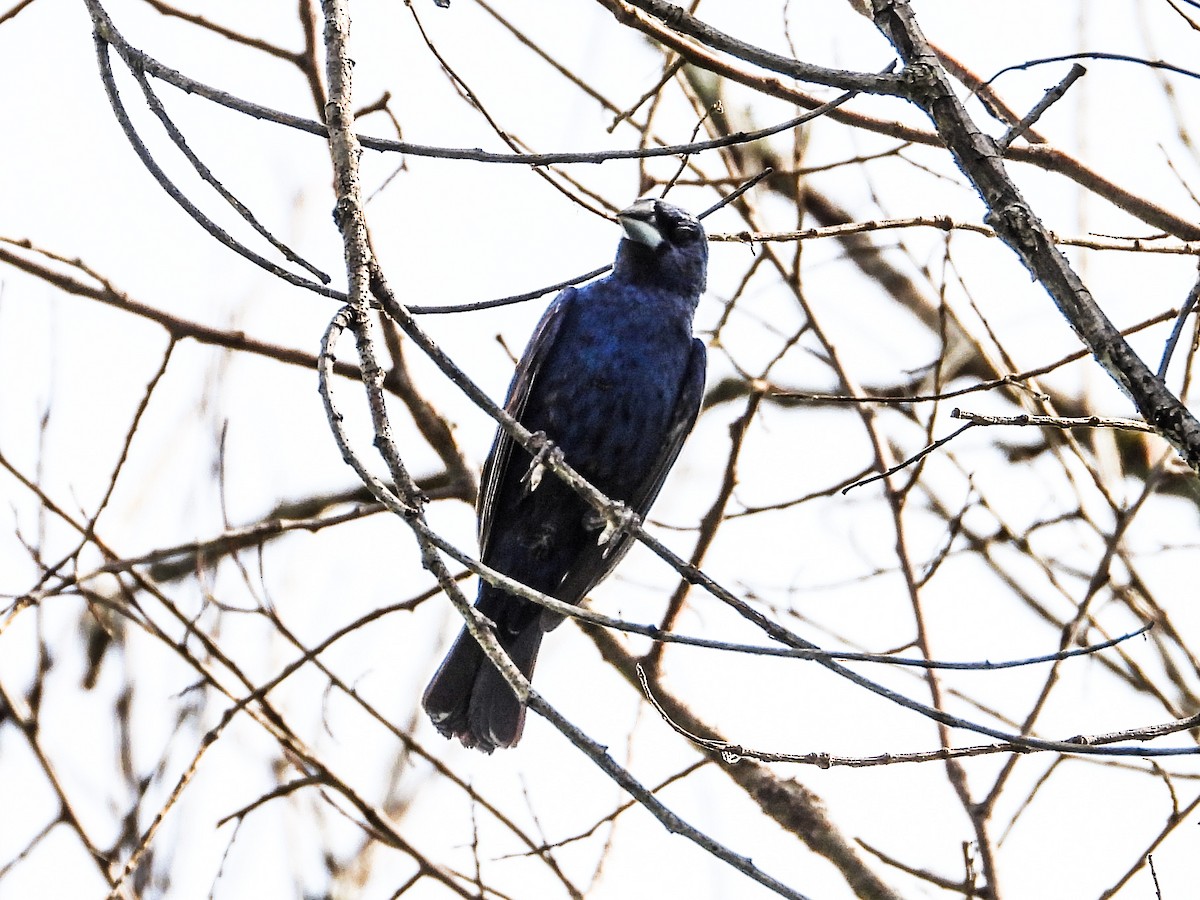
(614, 378)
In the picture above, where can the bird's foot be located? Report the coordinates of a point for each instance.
(619, 521)
(548, 452)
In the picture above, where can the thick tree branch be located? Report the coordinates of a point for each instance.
(1018, 226)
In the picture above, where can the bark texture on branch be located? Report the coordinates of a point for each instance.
(930, 88)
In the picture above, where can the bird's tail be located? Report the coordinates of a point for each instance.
(469, 699)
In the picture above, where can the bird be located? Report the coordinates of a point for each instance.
(614, 378)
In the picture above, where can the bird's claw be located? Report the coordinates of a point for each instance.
(548, 451)
(619, 520)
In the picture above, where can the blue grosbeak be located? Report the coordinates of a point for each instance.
(613, 376)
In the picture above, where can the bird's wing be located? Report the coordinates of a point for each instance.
(597, 561)
(683, 417)
(536, 353)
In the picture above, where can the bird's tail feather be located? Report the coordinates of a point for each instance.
(469, 699)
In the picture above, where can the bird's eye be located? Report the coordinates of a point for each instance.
(684, 232)
(676, 226)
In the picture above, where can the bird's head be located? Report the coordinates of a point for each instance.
(663, 246)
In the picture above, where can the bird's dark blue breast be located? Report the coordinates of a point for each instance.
(606, 393)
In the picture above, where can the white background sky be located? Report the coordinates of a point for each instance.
(451, 232)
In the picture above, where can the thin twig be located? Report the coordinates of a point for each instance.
(1052, 421)
(1051, 97)
(1186, 310)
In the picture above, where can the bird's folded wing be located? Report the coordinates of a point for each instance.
(536, 353)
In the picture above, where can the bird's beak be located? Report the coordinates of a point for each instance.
(638, 224)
